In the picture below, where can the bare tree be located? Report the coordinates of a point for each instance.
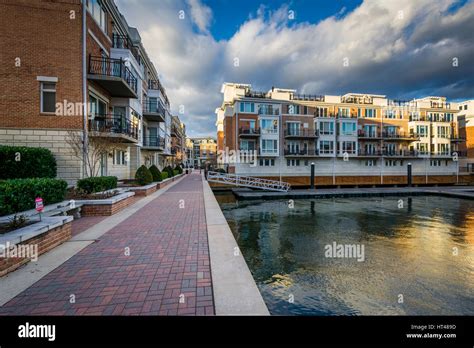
(97, 147)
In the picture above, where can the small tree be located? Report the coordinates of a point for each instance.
(97, 147)
(143, 176)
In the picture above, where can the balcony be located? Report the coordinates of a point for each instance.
(113, 76)
(440, 105)
(115, 127)
(255, 94)
(123, 42)
(301, 133)
(400, 136)
(369, 153)
(301, 153)
(153, 143)
(441, 154)
(308, 97)
(343, 115)
(153, 110)
(457, 139)
(247, 132)
(157, 86)
(400, 153)
(371, 135)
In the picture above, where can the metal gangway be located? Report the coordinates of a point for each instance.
(248, 181)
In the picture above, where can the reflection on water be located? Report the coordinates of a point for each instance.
(419, 252)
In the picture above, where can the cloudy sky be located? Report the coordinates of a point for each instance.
(401, 48)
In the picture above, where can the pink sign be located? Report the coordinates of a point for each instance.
(39, 204)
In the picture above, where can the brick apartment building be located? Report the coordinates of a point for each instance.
(353, 139)
(178, 140)
(76, 70)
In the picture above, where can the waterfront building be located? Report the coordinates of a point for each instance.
(353, 139)
(466, 131)
(204, 151)
(76, 70)
(178, 138)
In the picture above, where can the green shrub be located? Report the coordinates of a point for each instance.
(143, 176)
(97, 184)
(179, 169)
(18, 195)
(175, 172)
(220, 170)
(169, 170)
(164, 175)
(20, 162)
(155, 172)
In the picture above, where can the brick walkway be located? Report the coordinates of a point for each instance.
(166, 273)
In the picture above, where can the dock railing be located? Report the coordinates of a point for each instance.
(248, 181)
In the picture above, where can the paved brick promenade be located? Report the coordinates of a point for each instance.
(166, 273)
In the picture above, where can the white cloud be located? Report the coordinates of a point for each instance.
(393, 47)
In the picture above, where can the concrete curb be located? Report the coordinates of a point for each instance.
(235, 291)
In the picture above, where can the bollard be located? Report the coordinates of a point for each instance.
(409, 174)
(312, 175)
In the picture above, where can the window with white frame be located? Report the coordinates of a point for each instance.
(326, 128)
(119, 158)
(293, 162)
(96, 9)
(267, 162)
(269, 146)
(422, 131)
(269, 126)
(370, 113)
(247, 107)
(48, 97)
(321, 112)
(247, 145)
(371, 163)
(390, 163)
(344, 112)
(326, 146)
(435, 163)
(349, 147)
(348, 128)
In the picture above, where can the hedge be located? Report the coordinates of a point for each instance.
(179, 169)
(164, 175)
(18, 195)
(143, 176)
(97, 184)
(20, 162)
(175, 172)
(155, 172)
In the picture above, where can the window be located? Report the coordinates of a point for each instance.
(247, 145)
(443, 149)
(269, 126)
(321, 112)
(371, 163)
(119, 158)
(348, 128)
(422, 148)
(390, 163)
(98, 13)
(247, 107)
(293, 128)
(349, 147)
(326, 128)
(293, 162)
(370, 113)
(267, 162)
(269, 146)
(48, 97)
(435, 163)
(465, 107)
(344, 112)
(443, 132)
(390, 114)
(422, 131)
(326, 147)
(293, 109)
(370, 131)
(266, 109)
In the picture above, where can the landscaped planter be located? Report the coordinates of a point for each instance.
(107, 206)
(144, 190)
(25, 244)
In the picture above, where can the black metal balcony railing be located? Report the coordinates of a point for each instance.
(368, 134)
(154, 106)
(309, 97)
(124, 42)
(301, 133)
(154, 141)
(255, 94)
(249, 131)
(157, 86)
(436, 105)
(363, 152)
(301, 152)
(113, 68)
(399, 135)
(113, 124)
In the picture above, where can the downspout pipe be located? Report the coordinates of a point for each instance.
(85, 137)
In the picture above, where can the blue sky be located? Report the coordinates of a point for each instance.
(228, 16)
(401, 48)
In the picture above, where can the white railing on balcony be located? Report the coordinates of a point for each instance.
(248, 181)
